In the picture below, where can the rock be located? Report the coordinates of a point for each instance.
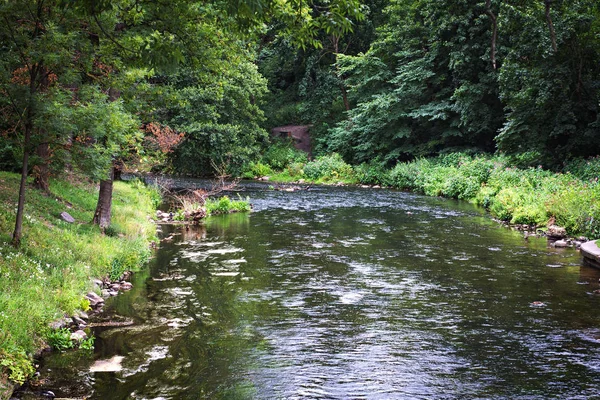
(60, 323)
(48, 393)
(125, 276)
(115, 286)
(67, 217)
(577, 244)
(561, 243)
(301, 181)
(78, 321)
(83, 315)
(112, 364)
(126, 286)
(99, 283)
(113, 292)
(376, 187)
(94, 299)
(556, 232)
(105, 293)
(78, 336)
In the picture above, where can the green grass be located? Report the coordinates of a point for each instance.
(225, 205)
(48, 276)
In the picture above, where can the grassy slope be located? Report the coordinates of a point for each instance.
(48, 276)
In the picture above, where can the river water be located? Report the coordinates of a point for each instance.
(348, 293)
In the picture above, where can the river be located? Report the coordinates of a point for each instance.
(348, 293)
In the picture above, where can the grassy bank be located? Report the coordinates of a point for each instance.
(49, 274)
(519, 196)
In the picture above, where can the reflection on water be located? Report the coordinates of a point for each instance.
(344, 293)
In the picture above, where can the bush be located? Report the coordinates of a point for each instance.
(225, 205)
(586, 170)
(373, 174)
(329, 168)
(60, 339)
(257, 169)
(405, 175)
(281, 154)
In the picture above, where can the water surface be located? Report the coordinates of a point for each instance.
(348, 293)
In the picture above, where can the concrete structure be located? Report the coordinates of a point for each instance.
(591, 253)
(298, 134)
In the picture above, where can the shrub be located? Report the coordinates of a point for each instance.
(60, 339)
(255, 169)
(406, 175)
(281, 154)
(329, 167)
(373, 174)
(586, 170)
(225, 205)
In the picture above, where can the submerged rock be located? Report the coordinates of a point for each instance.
(112, 364)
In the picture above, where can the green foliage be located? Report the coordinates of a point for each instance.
(46, 278)
(60, 339)
(16, 364)
(87, 344)
(587, 170)
(329, 168)
(519, 196)
(225, 205)
(281, 154)
(372, 173)
(257, 169)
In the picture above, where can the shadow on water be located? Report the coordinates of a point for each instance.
(346, 293)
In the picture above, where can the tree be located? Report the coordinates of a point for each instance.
(39, 39)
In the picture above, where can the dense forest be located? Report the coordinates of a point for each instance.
(194, 87)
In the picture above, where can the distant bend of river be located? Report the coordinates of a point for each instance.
(348, 293)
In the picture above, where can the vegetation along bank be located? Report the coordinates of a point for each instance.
(48, 275)
(531, 196)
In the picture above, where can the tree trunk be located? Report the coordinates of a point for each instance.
(492, 16)
(16, 238)
(550, 25)
(41, 172)
(335, 40)
(103, 208)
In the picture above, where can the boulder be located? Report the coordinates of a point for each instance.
(60, 323)
(67, 217)
(78, 321)
(78, 336)
(556, 232)
(94, 299)
(126, 286)
(561, 243)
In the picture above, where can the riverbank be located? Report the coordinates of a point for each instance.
(49, 275)
(533, 196)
